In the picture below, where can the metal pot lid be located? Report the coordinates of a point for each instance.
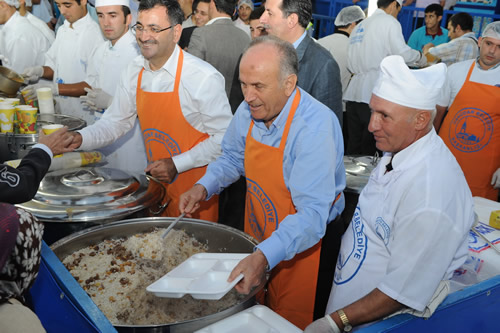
(92, 194)
(358, 170)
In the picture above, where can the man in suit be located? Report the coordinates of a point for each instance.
(319, 74)
(220, 42)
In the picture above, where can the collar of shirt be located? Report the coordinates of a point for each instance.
(343, 33)
(123, 42)
(438, 33)
(279, 121)
(13, 20)
(170, 66)
(409, 153)
(216, 19)
(298, 41)
(78, 24)
(478, 66)
(471, 35)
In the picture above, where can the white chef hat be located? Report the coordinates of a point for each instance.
(349, 15)
(14, 3)
(492, 30)
(400, 2)
(249, 3)
(101, 3)
(418, 88)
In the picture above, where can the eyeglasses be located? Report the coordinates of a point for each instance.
(140, 29)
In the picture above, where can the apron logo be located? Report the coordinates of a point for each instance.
(470, 130)
(153, 137)
(260, 210)
(382, 230)
(355, 240)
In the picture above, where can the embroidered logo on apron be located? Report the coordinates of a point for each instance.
(470, 130)
(348, 266)
(263, 211)
(155, 137)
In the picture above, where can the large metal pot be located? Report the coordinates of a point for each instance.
(70, 200)
(220, 238)
(10, 81)
(357, 173)
(15, 146)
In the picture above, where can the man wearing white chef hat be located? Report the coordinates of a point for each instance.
(471, 127)
(409, 231)
(21, 44)
(68, 58)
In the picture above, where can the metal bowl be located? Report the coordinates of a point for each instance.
(10, 81)
(220, 238)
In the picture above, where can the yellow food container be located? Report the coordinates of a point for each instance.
(495, 219)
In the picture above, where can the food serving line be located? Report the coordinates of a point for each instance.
(84, 205)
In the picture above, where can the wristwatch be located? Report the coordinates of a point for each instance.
(345, 321)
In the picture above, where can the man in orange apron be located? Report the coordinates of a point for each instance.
(471, 128)
(180, 101)
(289, 147)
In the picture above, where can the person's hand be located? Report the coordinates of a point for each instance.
(30, 91)
(495, 180)
(32, 74)
(58, 142)
(253, 269)
(76, 140)
(426, 48)
(96, 99)
(163, 170)
(322, 325)
(189, 201)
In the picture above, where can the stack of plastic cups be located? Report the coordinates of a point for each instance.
(45, 100)
(26, 119)
(7, 112)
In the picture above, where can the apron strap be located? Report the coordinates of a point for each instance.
(471, 69)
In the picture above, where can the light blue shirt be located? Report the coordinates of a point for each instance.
(419, 38)
(313, 171)
(298, 41)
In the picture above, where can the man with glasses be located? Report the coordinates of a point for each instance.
(67, 59)
(180, 101)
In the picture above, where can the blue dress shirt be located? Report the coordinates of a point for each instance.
(313, 171)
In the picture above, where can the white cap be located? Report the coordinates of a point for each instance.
(14, 3)
(492, 30)
(249, 3)
(102, 3)
(400, 2)
(349, 15)
(418, 88)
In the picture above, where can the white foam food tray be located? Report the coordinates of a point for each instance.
(203, 276)
(258, 318)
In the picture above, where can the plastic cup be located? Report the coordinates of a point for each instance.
(26, 99)
(27, 120)
(45, 100)
(51, 128)
(12, 101)
(7, 112)
(18, 116)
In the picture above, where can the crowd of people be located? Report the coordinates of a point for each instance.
(245, 118)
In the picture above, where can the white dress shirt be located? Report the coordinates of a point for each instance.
(372, 40)
(202, 97)
(69, 57)
(21, 44)
(410, 228)
(104, 71)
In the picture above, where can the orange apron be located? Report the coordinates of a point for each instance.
(167, 133)
(471, 130)
(292, 285)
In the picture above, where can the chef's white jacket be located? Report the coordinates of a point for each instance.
(409, 230)
(372, 40)
(105, 67)
(202, 97)
(69, 57)
(42, 26)
(21, 44)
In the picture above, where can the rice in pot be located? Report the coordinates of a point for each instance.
(115, 274)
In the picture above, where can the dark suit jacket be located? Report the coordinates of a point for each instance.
(319, 75)
(221, 45)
